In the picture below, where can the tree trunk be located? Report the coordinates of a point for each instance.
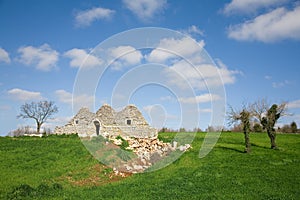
(272, 136)
(273, 143)
(38, 127)
(247, 143)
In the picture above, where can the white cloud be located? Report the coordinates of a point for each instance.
(295, 118)
(294, 104)
(4, 56)
(226, 74)
(166, 98)
(80, 58)
(125, 55)
(195, 30)
(206, 110)
(86, 17)
(199, 76)
(64, 96)
(24, 95)
(250, 6)
(276, 25)
(267, 77)
(280, 84)
(148, 108)
(145, 9)
(79, 101)
(56, 121)
(204, 98)
(287, 120)
(184, 47)
(43, 57)
(158, 115)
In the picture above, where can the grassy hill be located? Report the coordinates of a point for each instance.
(59, 167)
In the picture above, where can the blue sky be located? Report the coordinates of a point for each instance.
(250, 48)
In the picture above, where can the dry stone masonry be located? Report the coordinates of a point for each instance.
(148, 150)
(128, 124)
(107, 122)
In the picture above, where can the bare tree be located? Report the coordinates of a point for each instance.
(259, 108)
(244, 118)
(39, 111)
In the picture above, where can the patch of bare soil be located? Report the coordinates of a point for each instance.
(94, 176)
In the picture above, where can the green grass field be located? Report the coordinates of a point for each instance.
(59, 167)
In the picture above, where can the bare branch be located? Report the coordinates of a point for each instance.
(283, 109)
(233, 116)
(259, 108)
(39, 111)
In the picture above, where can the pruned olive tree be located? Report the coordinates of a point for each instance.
(39, 111)
(244, 118)
(268, 117)
(269, 121)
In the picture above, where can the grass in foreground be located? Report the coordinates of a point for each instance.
(64, 168)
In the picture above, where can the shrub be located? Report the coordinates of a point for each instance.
(294, 127)
(26, 191)
(107, 171)
(20, 192)
(124, 144)
(42, 189)
(257, 128)
(119, 138)
(57, 186)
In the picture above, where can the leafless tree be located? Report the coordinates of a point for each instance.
(39, 111)
(259, 108)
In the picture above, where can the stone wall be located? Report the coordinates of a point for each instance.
(129, 131)
(82, 123)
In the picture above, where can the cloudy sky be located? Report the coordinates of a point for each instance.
(199, 56)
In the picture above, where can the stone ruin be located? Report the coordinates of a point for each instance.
(127, 124)
(149, 151)
(109, 123)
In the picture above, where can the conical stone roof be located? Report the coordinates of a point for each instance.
(107, 114)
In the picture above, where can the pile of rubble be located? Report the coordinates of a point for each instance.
(148, 151)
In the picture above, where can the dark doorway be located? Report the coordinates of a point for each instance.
(97, 125)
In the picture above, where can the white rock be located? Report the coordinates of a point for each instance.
(181, 148)
(175, 144)
(117, 141)
(128, 168)
(137, 167)
(184, 147)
